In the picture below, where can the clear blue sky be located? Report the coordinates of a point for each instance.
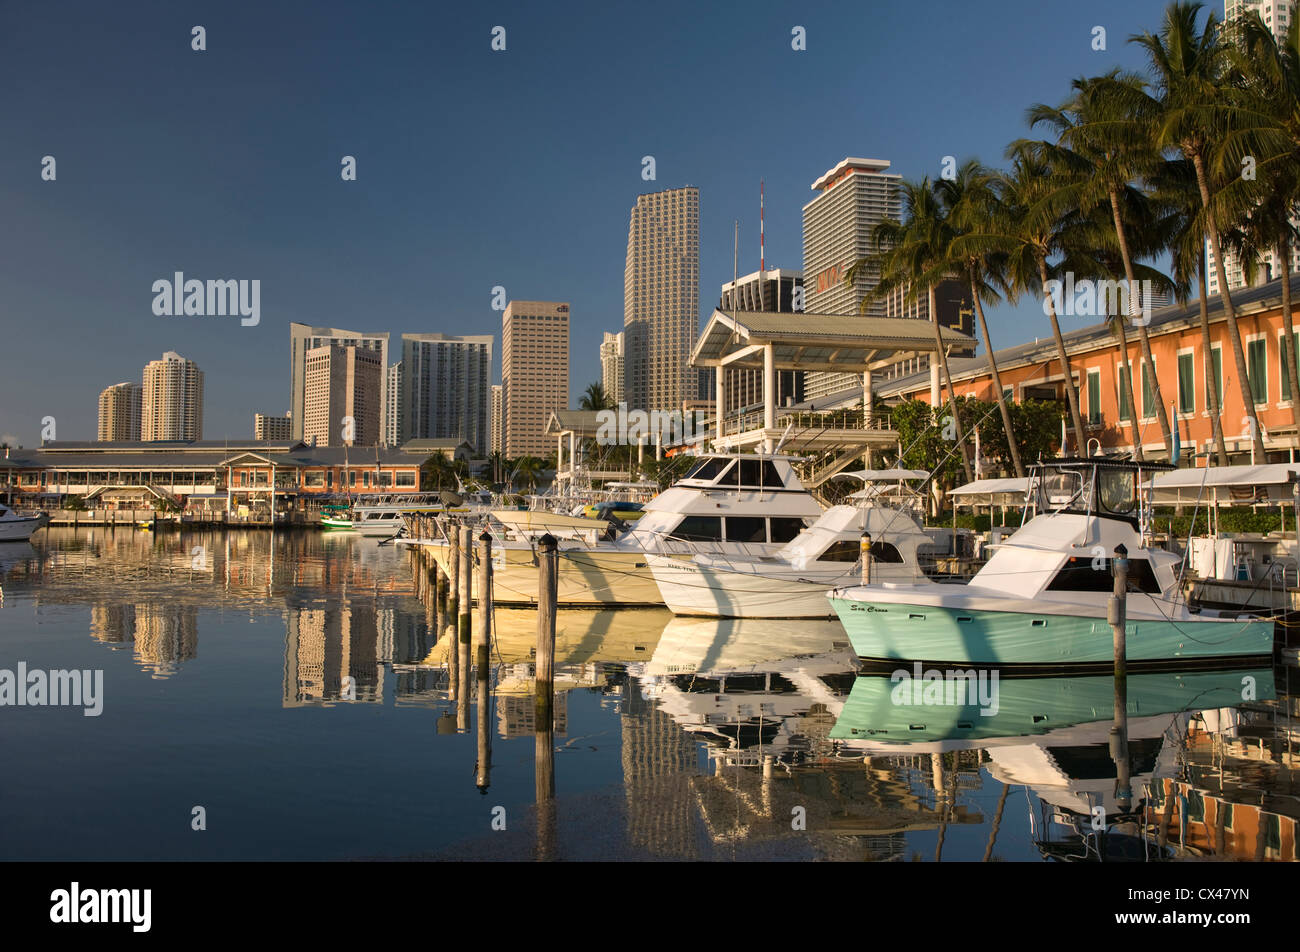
(475, 168)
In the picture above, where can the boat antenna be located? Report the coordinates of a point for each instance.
(784, 436)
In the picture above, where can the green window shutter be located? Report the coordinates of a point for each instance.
(1186, 383)
(1257, 370)
(1125, 411)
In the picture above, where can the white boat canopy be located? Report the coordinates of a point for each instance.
(993, 492)
(1245, 484)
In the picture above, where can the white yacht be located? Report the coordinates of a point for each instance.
(381, 514)
(737, 504)
(1042, 598)
(19, 526)
(793, 582)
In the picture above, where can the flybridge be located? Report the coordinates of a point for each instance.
(211, 298)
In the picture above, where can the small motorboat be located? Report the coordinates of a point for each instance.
(18, 526)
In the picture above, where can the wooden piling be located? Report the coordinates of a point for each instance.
(483, 635)
(466, 582)
(453, 568)
(547, 578)
(1117, 615)
(864, 546)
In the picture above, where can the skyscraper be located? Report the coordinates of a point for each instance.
(853, 197)
(611, 366)
(267, 427)
(171, 404)
(1277, 16)
(498, 433)
(534, 373)
(119, 412)
(343, 395)
(303, 338)
(445, 388)
(395, 424)
(661, 299)
(774, 292)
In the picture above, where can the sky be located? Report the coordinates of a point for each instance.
(475, 168)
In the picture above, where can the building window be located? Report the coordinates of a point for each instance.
(1094, 397)
(1257, 369)
(1284, 373)
(1125, 385)
(1148, 397)
(1186, 383)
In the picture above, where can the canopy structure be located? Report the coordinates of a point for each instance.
(1227, 485)
(572, 427)
(769, 341)
(993, 492)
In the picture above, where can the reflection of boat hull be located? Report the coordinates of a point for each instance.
(589, 578)
(691, 588)
(948, 628)
(893, 710)
(581, 637)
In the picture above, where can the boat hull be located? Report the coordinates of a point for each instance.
(896, 630)
(689, 588)
(21, 528)
(586, 578)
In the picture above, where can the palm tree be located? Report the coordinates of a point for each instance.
(439, 470)
(595, 398)
(528, 470)
(1189, 106)
(1268, 131)
(1027, 228)
(969, 201)
(1175, 189)
(1102, 150)
(906, 253)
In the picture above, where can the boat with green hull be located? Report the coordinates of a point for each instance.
(1042, 599)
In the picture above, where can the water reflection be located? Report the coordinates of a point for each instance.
(752, 739)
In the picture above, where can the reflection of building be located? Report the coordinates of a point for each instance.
(165, 635)
(331, 654)
(112, 624)
(516, 717)
(659, 760)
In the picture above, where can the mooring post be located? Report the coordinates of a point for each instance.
(453, 568)
(1117, 615)
(547, 577)
(483, 636)
(864, 544)
(466, 582)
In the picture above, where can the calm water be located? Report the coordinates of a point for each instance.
(291, 684)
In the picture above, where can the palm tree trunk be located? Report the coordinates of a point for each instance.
(1071, 393)
(1234, 332)
(1126, 384)
(1288, 348)
(997, 380)
(952, 394)
(1142, 328)
(1211, 378)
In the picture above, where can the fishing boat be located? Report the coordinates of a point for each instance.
(740, 504)
(793, 582)
(336, 517)
(20, 526)
(1041, 599)
(380, 514)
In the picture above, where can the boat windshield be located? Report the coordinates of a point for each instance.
(1117, 490)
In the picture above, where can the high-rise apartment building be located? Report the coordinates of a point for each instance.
(266, 427)
(611, 366)
(171, 402)
(498, 433)
(395, 423)
(445, 389)
(119, 412)
(303, 338)
(343, 395)
(1278, 16)
(661, 292)
(534, 373)
(952, 302)
(852, 198)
